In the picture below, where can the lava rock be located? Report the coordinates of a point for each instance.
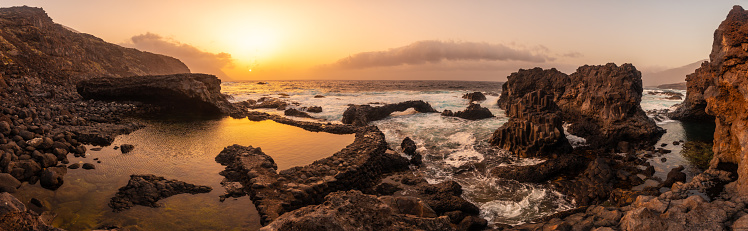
(52, 177)
(408, 146)
(88, 166)
(361, 115)
(126, 148)
(474, 96)
(147, 190)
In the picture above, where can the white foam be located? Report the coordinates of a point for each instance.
(463, 157)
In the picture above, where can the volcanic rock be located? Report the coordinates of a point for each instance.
(693, 107)
(35, 45)
(408, 146)
(126, 148)
(534, 128)
(14, 215)
(194, 93)
(146, 190)
(297, 113)
(472, 112)
(361, 115)
(8, 183)
(314, 109)
(358, 166)
(474, 96)
(52, 177)
(353, 210)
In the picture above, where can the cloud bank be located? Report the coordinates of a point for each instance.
(433, 51)
(197, 60)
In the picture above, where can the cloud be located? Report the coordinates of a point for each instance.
(573, 54)
(197, 60)
(433, 51)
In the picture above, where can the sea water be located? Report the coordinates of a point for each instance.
(453, 148)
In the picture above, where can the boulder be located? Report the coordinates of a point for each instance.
(474, 96)
(126, 148)
(675, 175)
(361, 115)
(52, 177)
(8, 183)
(192, 93)
(472, 112)
(147, 190)
(408, 146)
(314, 109)
(297, 113)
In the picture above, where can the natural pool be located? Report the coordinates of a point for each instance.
(181, 150)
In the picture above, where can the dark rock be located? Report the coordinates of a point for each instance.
(445, 197)
(473, 223)
(88, 166)
(416, 160)
(4, 128)
(408, 146)
(602, 103)
(74, 166)
(539, 172)
(126, 148)
(193, 93)
(534, 128)
(52, 177)
(386, 189)
(474, 96)
(271, 103)
(147, 190)
(674, 175)
(694, 106)
(47, 160)
(361, 115)
(447, 113)
(297, 113)
(319, 96)
(473, 112)
(314, 109)
(8, 183)
(359, 166)
(14, 215)
(353, 210)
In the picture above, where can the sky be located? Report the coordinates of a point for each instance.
(383, 40)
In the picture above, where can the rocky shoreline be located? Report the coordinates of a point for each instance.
(49, 113)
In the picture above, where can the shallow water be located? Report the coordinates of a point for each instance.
(181, 150)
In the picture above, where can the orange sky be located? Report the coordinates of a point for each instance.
(482, 40)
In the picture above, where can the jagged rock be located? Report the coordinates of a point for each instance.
(534, 128)
(35, 45)
(15, 216)
(358, 166)
(126, 148)
(472, 112)
(474, 96)
(265, 102)
(726, 97)
(539, 172)
(361, 115)
(147, 190)
(674, 175)
(602, 103)
(693, 107)
(297, 113)
(353, 210)
(193, 93)
(408, 146)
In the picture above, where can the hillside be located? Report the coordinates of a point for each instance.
(673, 75)
(31, 44)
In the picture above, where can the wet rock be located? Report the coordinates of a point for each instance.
(353, 210)
(15, 216)
(319, 96)
(74, 166)
(4, 128)
(297, 113)
(314, 109)
(47, 160)
(472, 112)
(147, 190)
(359, 166)
(534, 128)
(126, 148)
(474, 96)
(602, 103)
(52, 177)
(8, 183)
(193, 93)
(539, 172)
(408, 146)
(88, 166)
(361, 115)
(416, 160)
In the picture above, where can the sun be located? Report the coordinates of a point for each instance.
(250, 43)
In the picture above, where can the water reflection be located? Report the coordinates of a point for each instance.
(182, 150)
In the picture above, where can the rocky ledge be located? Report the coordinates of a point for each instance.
(472, 112)
(147, 190)
(361, 115)
(358, 166)
(195, 93)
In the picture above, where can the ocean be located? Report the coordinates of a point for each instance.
(453, 149)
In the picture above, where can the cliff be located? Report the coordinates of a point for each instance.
(31, 44)
(726, 96)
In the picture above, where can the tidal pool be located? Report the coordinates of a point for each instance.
(181, 150)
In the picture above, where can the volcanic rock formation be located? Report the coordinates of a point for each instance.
(361, 115)
(693, 107)
(196, 93)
